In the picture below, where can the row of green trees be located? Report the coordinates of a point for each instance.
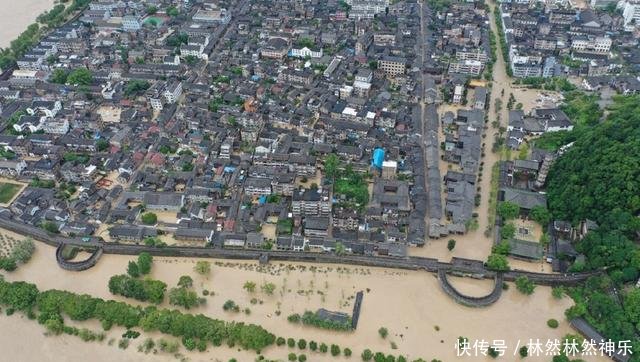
(30, 37)
(368, 355)
(51, 305)
(313, 319)
(503, 42)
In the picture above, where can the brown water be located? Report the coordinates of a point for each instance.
(16, 16)
(409, 304)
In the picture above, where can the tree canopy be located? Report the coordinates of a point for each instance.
(80, 76)
(601, 171)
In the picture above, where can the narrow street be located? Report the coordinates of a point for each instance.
(475, 244)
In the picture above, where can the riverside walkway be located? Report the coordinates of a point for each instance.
(457, 265)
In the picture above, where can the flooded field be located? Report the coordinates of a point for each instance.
(422, 320)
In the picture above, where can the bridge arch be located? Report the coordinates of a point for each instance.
(467, 300)
(77, 265)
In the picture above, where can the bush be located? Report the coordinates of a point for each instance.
(149, 218)
(189, 343)
(144, 263)
(294, 318)
(508, 210)
(23, 251)
(168, 346)
(291, 342)
(313, 346)
(451, 244)
(552, 323)
(292, 357)
(524, 285)
(184, 298)
(302, 358)
(493, 352)
(508, 231)
(323, 348)
(268, 288)
(497, 262)
(123, 343)
(347, 352)
(367, 355)
(524, 351)
(280, 341)
(302, 343)
(132, 269)
(147, 345)
(383, 332)
(335, 350)
(557, 292)
(8, 264)
(203, 267)
(230, 305)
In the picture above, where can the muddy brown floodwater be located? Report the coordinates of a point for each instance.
(16, 16)
(422, 320)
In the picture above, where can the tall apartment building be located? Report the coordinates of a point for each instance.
(631, 14)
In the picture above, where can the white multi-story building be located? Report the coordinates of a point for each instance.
(458, 93)
(226, 148)
(212, 16)
(194, 51)
(131, 23)
(172, 92)
(473, 67)
(366, 9)
(476, 54)
(597, 45)
(55, 126)
(631, 14)
(311, 202)
(305, 52)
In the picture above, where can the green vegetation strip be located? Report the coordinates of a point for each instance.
(598, 178)
(503, 43)
(48, 307)
(30, 37)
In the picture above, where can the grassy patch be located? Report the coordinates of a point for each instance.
(8, 191)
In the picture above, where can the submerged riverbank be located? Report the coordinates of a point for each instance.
(422, 320)
(16, 16)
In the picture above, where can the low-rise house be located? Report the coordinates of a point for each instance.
(131, 233)
(164, 201)
(194, 234)
(316, 226)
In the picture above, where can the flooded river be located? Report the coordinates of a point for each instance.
(422, 320)
(16, 16)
